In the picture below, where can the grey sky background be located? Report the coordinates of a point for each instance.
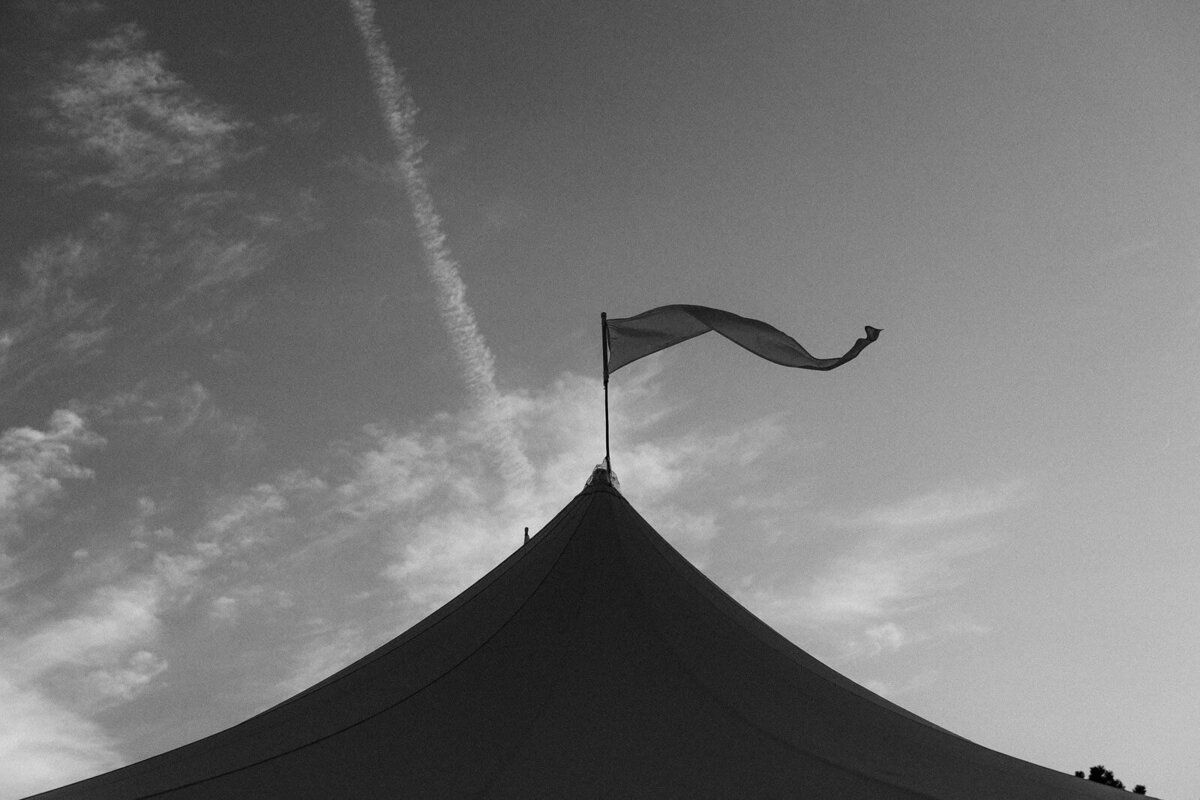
(237, 450)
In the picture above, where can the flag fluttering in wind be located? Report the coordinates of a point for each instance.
(631, 338)
(627, 339)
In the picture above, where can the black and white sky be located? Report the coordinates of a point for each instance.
(258, 414)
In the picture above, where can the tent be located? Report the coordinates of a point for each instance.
(593, 662)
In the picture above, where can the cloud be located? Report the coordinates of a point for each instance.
(172, 405)
(224, 609)
(94, 639)
(326, 651)
(447, 515)
(912, 550)
(168, 243)
(34, 464)
(110, 620)
(53, 679)
(886, 589)
(451, 518)
(43, 744)
(51, 265)
(89, 632)
(916, 683)
(238, 525)
(889, 637)
(81, 344)
(937, 508)
(888, 575)
(179, 434)
(51, 320)
(123, 284)
(125, 681)
(125, 121)
(95, 656)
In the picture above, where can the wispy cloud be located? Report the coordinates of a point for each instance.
(89, 631)
(45, 740)
(89, 645)
(327, 650)
(120, 286)
(942, 507)
(44, 744)
(127, 122)
(33, 465)
(915, 683)
(168, 241)
(60, 668)
(448, 537)
(889, 637)
(50, 320)
(474, 357)
(35, 468)
(888, 575)
(887, 587)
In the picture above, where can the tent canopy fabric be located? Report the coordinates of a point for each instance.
(593, 662)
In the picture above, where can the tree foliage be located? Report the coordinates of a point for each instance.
(1098, 774)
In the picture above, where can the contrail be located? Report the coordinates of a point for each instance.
(474, 358)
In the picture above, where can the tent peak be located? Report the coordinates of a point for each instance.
(603, 476)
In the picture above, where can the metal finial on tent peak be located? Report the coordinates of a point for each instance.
(604, 476)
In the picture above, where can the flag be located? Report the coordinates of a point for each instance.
(631, 338)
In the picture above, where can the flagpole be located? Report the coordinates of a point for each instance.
(604, 347)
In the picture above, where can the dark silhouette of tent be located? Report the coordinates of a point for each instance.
(593, 662)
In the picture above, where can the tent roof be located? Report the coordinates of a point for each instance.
(593, 662)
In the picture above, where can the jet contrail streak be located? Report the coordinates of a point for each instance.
(474, 357)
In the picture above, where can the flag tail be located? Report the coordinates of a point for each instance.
(631, 338)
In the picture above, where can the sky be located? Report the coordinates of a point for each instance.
(299, 329)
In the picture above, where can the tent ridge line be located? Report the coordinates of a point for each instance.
(704, 687)
(777, 643)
